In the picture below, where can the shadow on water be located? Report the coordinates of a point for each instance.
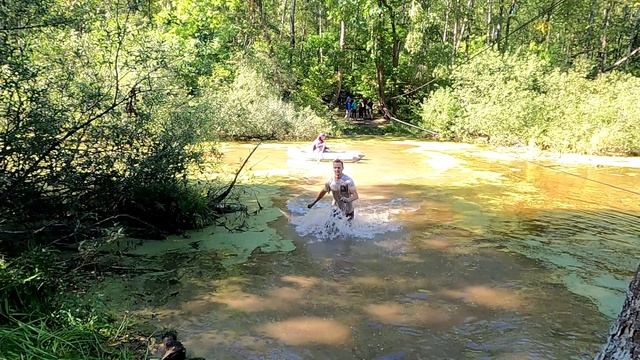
(448, 258)
(455, 281)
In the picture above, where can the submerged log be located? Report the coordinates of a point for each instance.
(624, 336)
(222, 208)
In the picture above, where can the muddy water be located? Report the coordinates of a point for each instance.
(456, 252)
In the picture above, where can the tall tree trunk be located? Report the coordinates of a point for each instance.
(602, 53)
(498, 25)
(547, 38)
(340, 60)
(469, 20)
(455, 33)
(284, 15)
(512, 10)
(292, 31)
(489, 22)
(378, 54)
(592, 23)
(624, 335)
(466, 25)
(320, 54)
(445, 31)
(634, 40)
(395, 53)
(619, 47)
(456, 23)
(380, 80)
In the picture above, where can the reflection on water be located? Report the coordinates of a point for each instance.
(454, 254)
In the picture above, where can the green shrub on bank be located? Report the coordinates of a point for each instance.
(39, 319)
(251, 108)
(520, 100)
(37, 340)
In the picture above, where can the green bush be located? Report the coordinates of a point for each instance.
(251, 107)
(440, 113)
(518, 99)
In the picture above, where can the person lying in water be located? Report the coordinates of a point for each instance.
(343, 190)
(319, 144)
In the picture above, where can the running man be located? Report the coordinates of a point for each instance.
(342, 188)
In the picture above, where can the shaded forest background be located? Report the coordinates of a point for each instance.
(107, 107)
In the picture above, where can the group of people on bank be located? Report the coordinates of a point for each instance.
(355, 109)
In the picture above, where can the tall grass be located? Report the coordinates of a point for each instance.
(37, 340)
(41, 319)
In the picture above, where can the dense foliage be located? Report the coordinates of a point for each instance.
(520, 100)
(251, 108)
(105, 105)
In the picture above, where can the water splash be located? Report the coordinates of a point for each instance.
(326, 223)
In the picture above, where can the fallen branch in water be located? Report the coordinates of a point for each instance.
(219, 198)
(59, 241)
(229, 208)
(134, 269)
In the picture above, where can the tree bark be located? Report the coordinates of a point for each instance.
(489, 22)
(378, 54)
(466, 25)
(380, 80)
(445, 31)
(284, 15)
(634, 40)
(498, 26)
(340, 59)
(602, 53)
(320, 51)
(456, 26)
(591, 26)
(292, 27)
(395, 52)
(624, 336)
(512, 10)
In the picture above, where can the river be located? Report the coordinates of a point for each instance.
(456, 252)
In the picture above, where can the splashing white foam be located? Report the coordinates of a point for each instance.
(324, 223)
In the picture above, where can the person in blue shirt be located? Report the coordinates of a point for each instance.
(347, 107)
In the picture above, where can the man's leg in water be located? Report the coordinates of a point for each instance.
(338, 213)
(350, 216)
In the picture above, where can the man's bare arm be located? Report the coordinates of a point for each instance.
(353, 195)
(320, 196)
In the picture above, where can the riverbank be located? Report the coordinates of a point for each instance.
(382, 127)
(569, 159)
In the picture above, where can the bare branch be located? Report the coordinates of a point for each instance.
(623, 60)
(34, 26)
(224, 194)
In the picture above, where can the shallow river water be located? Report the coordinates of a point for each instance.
(456, 252)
